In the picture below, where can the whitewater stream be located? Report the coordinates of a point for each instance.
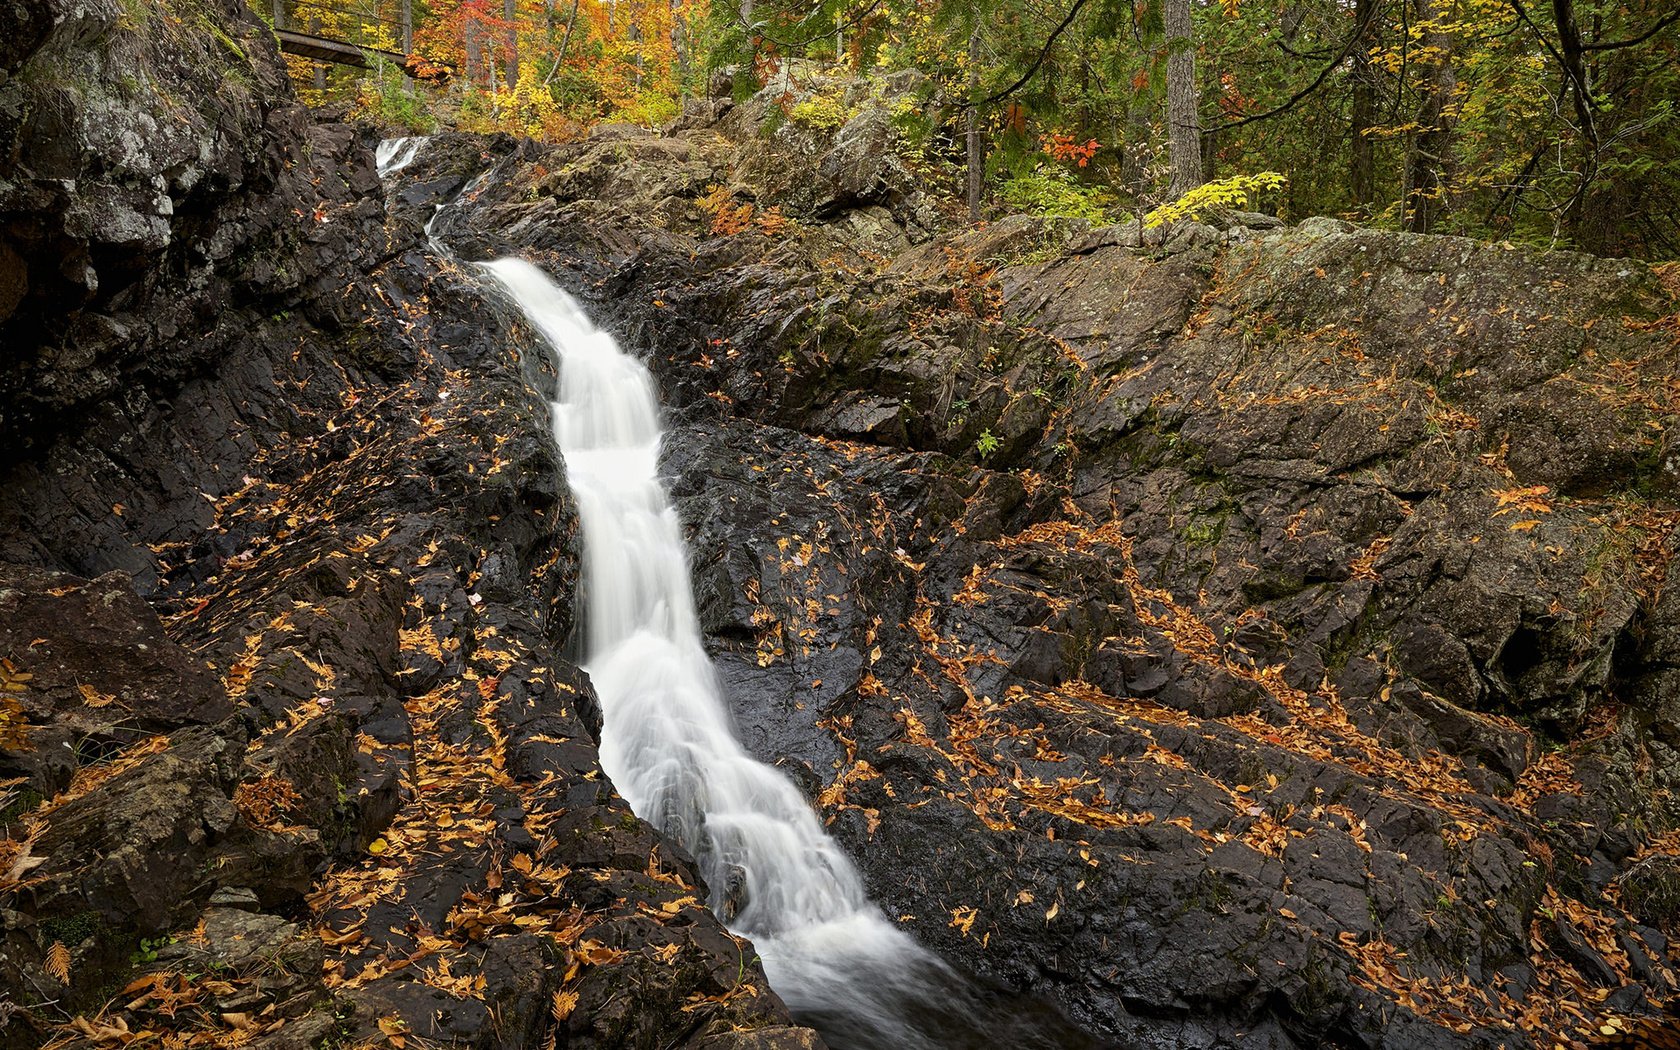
(667, 743)
(393, 155)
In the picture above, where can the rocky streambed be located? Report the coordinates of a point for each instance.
(1250, 635)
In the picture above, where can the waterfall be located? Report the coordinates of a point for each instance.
(774, 874)
(393, 155)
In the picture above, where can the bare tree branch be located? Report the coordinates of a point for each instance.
(1347, 47)
(1044, 52)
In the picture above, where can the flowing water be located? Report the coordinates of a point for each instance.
(393, 155)
(667, 743)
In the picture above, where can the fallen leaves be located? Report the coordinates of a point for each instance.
(93, 697)
(962, 919)
(266, 801)
(14, 728)
(563, 1005)
(1518, 499)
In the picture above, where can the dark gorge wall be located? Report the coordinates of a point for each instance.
(1251, 636)
(328, 781)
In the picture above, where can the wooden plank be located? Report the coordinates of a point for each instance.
(321, 49)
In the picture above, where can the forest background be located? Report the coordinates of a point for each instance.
(1540, 121)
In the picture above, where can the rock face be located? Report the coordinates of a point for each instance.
(286, 579)
(1249, 636)
(155, 176)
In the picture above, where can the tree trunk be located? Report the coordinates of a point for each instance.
(407, 27)
(679, 47)
(510, 15)
(1184, 132)
(1362, 167)
(279, 14)
(469, 51)
(1432, 148)
(976, 161)
(565, 41)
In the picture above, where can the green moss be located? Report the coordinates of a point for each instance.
(25, 800)
(1205, 531)
(1210, 894)
(1321, 988)
(72, 930)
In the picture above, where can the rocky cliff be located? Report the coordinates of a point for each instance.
(1249, 636)
(293, 755)
(1243, 636)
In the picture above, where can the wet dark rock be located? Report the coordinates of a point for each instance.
(286, 553)
(1213, 627)
(150, 141)
(102, 672)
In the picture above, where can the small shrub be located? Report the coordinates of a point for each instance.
(825, 111)
(385, 97)
(728, 218)
(772, 223)
(1211, 198)
(1051, 190)
(974, 290)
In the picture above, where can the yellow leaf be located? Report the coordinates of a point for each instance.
(93, 697)
(963, 919)
(1054, 909)
(377, 846)
(1524, 526)
(564, 1003)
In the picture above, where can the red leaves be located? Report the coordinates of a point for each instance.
(1062, 147)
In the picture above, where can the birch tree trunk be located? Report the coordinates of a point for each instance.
(565, 42)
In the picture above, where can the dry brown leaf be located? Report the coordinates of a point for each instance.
(564, 1003)
(58, 962)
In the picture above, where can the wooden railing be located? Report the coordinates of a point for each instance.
(340, 32)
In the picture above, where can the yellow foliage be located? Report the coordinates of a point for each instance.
(1211, 198)
(827, 111)
(728, 218)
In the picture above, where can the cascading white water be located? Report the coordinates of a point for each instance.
(775, 875)
(393, 155)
